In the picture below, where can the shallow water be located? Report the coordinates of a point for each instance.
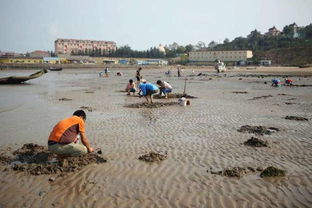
(197, 138)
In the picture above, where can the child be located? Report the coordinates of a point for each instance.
(131, 87)
(164, 87)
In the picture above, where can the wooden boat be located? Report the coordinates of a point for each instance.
(20, 79)
(305, 66)
(56, 69)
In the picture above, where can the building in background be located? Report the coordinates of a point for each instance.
(21, 60)
(51, 60)
(39, 53)
(211, 56)
(83, 47)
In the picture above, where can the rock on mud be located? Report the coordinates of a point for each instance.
(296, 118)
(272, 172)
(255, 142)
(153, 157)
(151, 105)
(37, 160)
(259, 130)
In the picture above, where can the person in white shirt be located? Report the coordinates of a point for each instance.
(164, 87)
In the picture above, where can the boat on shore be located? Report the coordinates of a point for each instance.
(56, 69)
(20, 79)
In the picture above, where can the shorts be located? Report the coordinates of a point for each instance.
(71, 149)
(132, 90)
(166, 90)
(150, 92)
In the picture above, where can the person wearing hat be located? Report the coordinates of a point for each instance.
(148, 89)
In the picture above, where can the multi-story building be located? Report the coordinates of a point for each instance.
(83, 47)
(210, 56)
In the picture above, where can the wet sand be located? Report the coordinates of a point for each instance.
(198, 140)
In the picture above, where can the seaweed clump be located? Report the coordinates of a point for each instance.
(272, 172)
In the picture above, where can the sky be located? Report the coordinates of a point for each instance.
(27, 25)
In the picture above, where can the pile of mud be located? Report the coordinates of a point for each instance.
(302, 85)
(37, 160)
(272, 172)
(174, 95)
(239, 172)
(240, 92)
(255, 142)
(150, 105)
(264, 97)
(153, 157)
(260, 130)
(65, 99)
(234, 172)
(296, 118)
(88, 108)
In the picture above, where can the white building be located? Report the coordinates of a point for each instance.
(210, 56)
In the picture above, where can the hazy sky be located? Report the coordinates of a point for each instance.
(28, 25)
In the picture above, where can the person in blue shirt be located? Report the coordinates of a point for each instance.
(148, 89)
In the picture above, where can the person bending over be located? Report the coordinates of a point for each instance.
(148, 89)
(64, 138)
(164, 87)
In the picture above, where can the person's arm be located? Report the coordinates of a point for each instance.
(85, 142)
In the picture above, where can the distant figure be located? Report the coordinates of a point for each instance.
(63, 139)
(119, 74)
(131, 87)
(164, 88)
(288, 82)
(276, 82)
(148, 89)
(168, 73)
(138, 74)
(179, 72)
(106, 71)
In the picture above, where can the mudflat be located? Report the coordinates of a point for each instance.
(203, 159)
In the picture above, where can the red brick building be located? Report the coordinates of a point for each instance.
(83, 47)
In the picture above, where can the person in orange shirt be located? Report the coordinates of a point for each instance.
(64, 138)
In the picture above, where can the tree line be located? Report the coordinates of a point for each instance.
(255, 41)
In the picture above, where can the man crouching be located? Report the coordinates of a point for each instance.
(63, 139)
